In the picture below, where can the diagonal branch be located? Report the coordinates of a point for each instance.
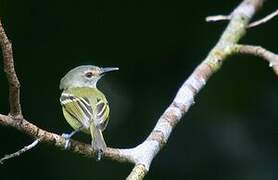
(14, 92)
(138, 172)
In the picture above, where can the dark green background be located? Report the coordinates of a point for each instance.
(230, 133)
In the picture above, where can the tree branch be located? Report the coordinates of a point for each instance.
(264, 20)
(19, 152)
(14, 92)
(143, 154)
(267, 18)
(218, 18)
(54, 139)
(261, 52)
(138, 172)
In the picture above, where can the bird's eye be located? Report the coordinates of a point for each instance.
(89, 74)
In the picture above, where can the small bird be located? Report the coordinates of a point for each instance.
(85, 107)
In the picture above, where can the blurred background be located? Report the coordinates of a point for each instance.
(230, 133)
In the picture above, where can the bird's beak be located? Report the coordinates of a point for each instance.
(108, 69)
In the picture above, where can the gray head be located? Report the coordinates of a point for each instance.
(84, 76)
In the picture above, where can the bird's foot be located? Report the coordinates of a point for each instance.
(99, 154)
(67, 138)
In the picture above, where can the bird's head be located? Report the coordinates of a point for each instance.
(84, 76)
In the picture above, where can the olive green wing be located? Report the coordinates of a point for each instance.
(79, 108)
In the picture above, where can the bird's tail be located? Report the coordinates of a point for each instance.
(98, 142)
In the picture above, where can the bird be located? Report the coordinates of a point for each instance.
(84, 106)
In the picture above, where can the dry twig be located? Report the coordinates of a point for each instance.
(264, 20)
(217, 18)
(19, 152)
(253, 24)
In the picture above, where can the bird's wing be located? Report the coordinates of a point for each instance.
(102, 113)
(77, 107)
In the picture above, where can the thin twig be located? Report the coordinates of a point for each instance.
(19, 152)
(264, 20)
(14, 91)
(218, 18)
(253, 24)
